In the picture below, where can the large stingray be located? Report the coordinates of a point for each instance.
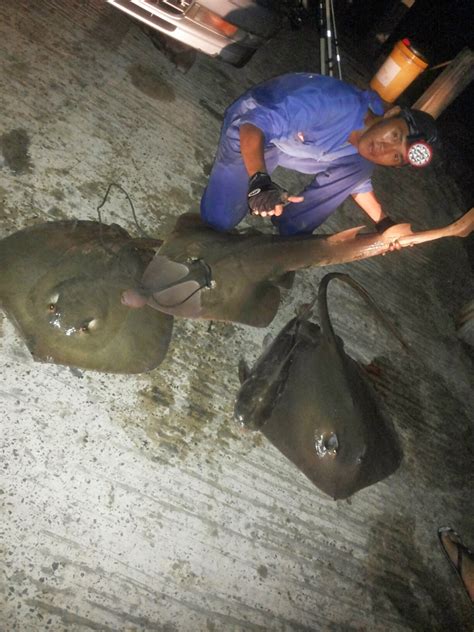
(61, 283)
(316, 405)
(200, 273)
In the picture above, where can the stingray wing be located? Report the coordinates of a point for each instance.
(264, 385)
(136, 342)
(253, 304)
(85, 257)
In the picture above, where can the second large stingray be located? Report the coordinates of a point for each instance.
(61, 282)
(314, 403)
(200, 273)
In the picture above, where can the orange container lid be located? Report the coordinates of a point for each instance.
(407, 42)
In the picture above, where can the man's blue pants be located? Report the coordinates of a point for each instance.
(224, 202)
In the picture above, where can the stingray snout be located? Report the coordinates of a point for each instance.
(132, 298)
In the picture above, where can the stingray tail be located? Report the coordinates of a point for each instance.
(303, 312)
(326, 324)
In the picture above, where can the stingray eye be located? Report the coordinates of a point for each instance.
(53, 302)
(88, 326)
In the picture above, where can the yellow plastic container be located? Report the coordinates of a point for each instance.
(398, 71)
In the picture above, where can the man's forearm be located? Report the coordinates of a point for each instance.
(370, 205)
(252, 148)
(265, 198)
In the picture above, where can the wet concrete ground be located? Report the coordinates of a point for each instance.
(134, 502)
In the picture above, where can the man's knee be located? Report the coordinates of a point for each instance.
(290, 230)
(221, 224)
(297, 224)
(219, 214)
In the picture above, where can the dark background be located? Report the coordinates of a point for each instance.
(439, 29)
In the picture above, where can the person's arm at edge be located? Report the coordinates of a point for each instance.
(370, 205)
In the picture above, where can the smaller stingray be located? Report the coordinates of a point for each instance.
(315, 404)
(61, 283)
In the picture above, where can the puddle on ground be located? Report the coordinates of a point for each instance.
(94, 188)
(204, 160)
(57, 213)
(151, 83)
(170, 198)
(58, 194)
(218, 116)
(14, 147)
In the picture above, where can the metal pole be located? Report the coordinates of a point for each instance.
(336, 41)
(322, 41)
(329, 38)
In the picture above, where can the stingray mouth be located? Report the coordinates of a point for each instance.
(69, 322)
(132, 298)
(83, 327)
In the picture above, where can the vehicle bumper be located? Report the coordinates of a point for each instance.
(235, 50)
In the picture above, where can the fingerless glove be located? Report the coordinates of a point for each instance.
(263, 194)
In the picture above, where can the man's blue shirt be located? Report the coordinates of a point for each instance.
(306, 116)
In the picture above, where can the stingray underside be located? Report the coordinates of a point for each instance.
(329, 423)
(61, 283)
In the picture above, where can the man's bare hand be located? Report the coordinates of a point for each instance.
(395, 245)
(393, 233)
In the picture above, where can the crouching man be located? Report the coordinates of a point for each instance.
(314, 125)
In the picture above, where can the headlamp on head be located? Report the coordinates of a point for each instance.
(419, 154)
(422, 135)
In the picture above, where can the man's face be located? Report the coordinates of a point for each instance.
(385, 143)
